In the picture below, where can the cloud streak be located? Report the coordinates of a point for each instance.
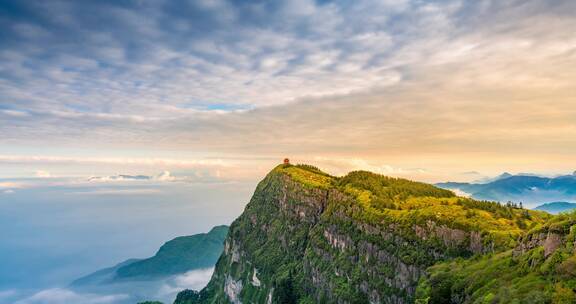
(65, 296)
(118, 192)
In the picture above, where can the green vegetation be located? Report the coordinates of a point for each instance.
(308, 237)
(388, 192)
(188, 297)
(309, 176)
(405, 203)
(179, 255)
(510, 276)
(176, 256)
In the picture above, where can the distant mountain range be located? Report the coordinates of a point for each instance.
(556, 207)
(148, 278)
(530, 189)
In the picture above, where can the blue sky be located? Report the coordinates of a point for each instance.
(206, 96)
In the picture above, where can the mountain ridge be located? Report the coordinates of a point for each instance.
(101, 276)
(176, 256)
(556, 207)
(530, 189)
(308, 237)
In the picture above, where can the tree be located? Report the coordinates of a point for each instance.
(284, 291)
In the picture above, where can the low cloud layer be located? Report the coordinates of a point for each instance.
(127, 292)
(194, 280)
(165, 176)
(65, 296)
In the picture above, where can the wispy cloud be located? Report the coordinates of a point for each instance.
(112, 160)
(117, 192)
(11, 185)
(344, 165)
(65, 296)
(43, 174)
(165, 176)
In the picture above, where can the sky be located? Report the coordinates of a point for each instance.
(423, 89)
(152, 119)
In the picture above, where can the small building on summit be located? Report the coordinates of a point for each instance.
(286, 161)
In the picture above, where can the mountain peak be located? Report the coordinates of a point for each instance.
(306, 174)
(305, 232)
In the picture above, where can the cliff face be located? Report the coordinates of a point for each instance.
(267, 244)
(540, 269)
(307, 237)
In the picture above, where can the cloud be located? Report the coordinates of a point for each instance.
(117, 192)
(165, 176)
(472, 173)
(344, 165)
(10, 185)
(168, 162)
(194, 280)
(204, 169)
(65, 296)
(231, 52)
(461, 193)
(43, 174)
(360, 45)
(431, 81)
(121, 184)
(122, 177)
(6, 294)
(14, 113)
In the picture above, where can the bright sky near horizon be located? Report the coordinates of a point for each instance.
(429, 90)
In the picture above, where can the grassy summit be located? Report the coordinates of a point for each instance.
(309, 176)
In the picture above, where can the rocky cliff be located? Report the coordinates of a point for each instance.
(540, 269)
(308, 237)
